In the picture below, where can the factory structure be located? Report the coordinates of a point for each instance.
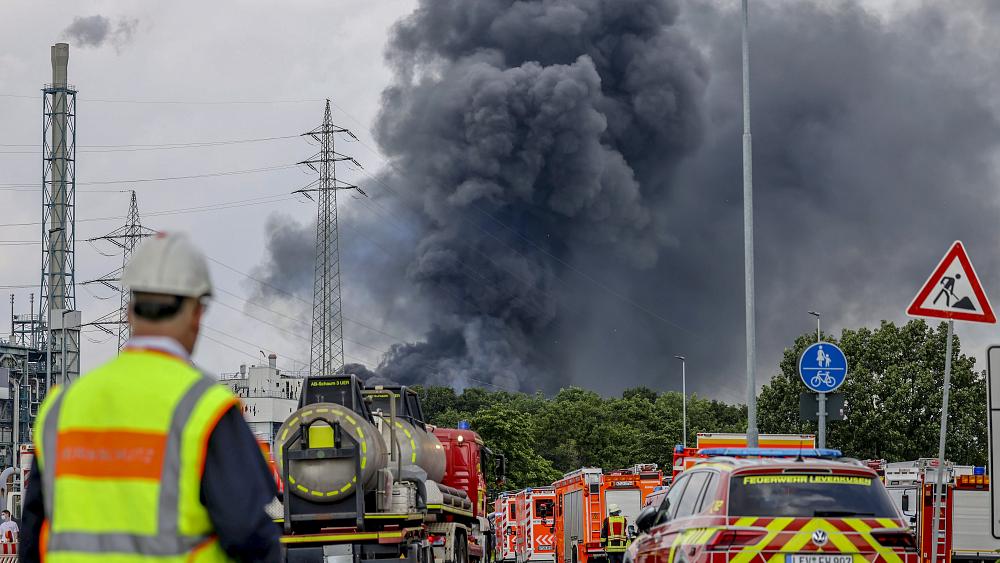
(268, 395)
(43, 347)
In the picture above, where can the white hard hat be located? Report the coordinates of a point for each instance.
(168, 264)
(612, 508)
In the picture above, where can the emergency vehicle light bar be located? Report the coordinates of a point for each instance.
(771, 452)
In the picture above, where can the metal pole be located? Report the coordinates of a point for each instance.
(751, 332)
(684, 401)
(48, 350)
(822, 419)
(62, 357)
(941, 444)
(821, 397)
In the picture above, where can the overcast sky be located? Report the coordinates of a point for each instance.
(215, 55)
(876, 139)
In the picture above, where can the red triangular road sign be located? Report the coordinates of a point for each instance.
(953, 291)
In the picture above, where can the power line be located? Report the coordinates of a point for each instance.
(150, 147)
(293, 296)
(260, 347)
(287, 331)
(225, 102)
(264, 200)
(164, 178)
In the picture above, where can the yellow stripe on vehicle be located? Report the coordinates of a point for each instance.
(749, 553)
(864, 531)
(804, 535)
(342, 537)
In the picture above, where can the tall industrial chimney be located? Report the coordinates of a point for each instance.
(57, 187)
(57, 307)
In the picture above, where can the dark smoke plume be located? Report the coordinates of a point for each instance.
(570, 173)
(96, 30)
(528, 132)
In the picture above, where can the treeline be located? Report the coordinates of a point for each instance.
(542, 438)
(893, 393)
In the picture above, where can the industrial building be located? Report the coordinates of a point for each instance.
(269, 396)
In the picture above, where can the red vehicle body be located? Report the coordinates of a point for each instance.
(505, 526)
(582, 498)
(579, 514)
(685, 458)
(777, 511)
(534, 510)
(463, 450)
(629, 488)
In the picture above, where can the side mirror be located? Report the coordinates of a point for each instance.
(644, 521)
(906, 502)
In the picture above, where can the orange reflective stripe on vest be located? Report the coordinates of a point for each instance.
(110, 455)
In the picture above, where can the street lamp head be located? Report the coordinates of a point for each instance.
(814, 313)
(681, 358)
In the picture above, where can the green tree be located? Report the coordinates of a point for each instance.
(893, 394)
(503, 430)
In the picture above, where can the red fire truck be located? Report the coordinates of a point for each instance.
(534, 509)
(964, 529)
(505, 524)
(582, 498)
(684, 458)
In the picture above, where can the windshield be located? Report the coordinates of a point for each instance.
(543, 508)
(809, 495)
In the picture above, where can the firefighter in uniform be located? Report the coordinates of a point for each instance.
(614, 535)
(146, 458)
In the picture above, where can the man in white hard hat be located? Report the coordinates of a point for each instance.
(145, 457)
(614, 535)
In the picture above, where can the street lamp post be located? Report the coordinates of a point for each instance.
(684, 402)
(821, 415)
(751, 326)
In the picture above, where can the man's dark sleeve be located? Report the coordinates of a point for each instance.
(235, 488)
(32, 517)
(604, 529)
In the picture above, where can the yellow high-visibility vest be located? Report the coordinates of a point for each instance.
(617, 539)
(121, 452)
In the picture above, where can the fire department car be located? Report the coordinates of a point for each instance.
(759, 510)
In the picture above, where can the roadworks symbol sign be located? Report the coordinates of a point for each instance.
(953, 291)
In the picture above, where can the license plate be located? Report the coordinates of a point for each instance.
(544, 548)
(810, 558)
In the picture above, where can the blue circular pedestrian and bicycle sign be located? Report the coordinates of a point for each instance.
(823, 367)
